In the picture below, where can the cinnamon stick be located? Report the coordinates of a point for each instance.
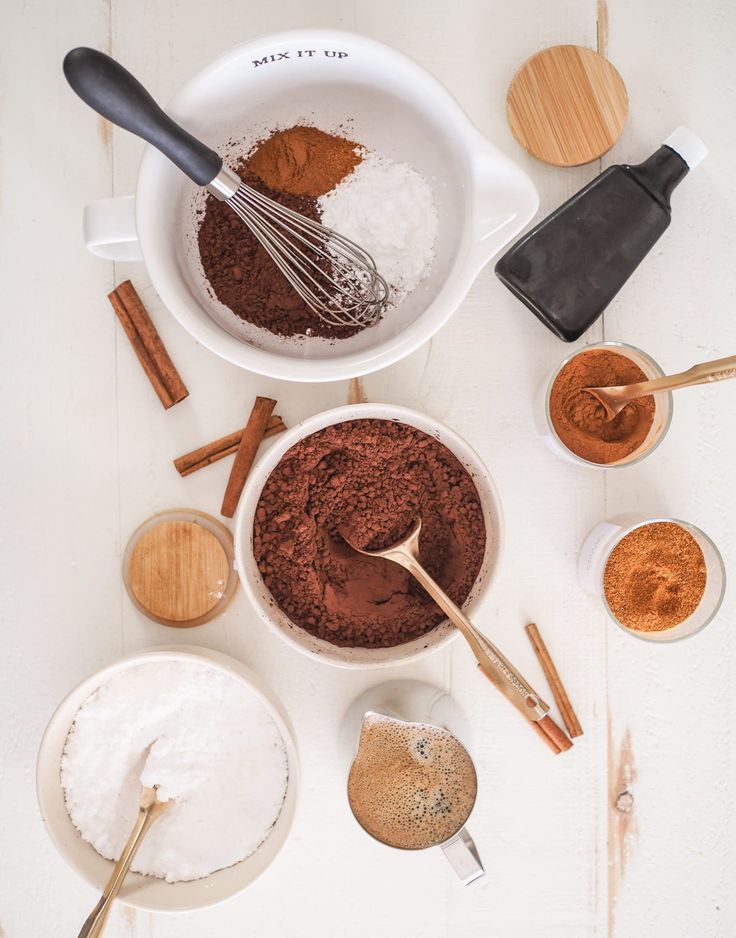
(555, 682)
(552, 735)
(545, 727)
(218, 449)
(147, 344)
(252, 435)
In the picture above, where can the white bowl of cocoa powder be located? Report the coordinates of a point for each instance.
(366, 94)
(366, 471)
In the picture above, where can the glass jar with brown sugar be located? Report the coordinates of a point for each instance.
(660, 579)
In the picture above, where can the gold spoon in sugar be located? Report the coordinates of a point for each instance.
(149, 810)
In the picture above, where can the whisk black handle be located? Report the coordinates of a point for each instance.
(113, 92)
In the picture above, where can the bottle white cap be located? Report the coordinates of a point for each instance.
(689, 145)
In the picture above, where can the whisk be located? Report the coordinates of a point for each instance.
(336, 278)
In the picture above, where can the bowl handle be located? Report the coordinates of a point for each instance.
(504, 201)
(109, 229)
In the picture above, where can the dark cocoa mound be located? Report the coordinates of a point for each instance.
(245, 278)
(367, 481)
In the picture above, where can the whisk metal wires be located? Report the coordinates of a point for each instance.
(335, 277)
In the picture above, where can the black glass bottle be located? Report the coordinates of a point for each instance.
(569, 267)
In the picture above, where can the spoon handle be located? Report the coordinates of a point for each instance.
(97, 919)
(496, 667)
(552, 734)
(719, 370)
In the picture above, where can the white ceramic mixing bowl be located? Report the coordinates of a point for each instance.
(146, 892)
(383, 100)
(264, 602)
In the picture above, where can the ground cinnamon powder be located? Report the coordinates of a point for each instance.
(367, 481)
(581, 421)
(304, 161)
(655, 577)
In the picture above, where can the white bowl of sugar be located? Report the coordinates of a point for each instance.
(73, 779)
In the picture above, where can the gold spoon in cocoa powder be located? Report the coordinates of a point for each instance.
(614, 399)
(492, 663)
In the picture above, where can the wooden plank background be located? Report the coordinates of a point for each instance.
(87, 452)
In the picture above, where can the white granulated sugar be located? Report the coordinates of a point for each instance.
(388, 209)
(214, 749)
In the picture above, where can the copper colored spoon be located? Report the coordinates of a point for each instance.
(492, 663)
(614, 399)
(149, 810)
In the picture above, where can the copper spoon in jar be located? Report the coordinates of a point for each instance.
(149, 810)
(498, 669)
(614, 399)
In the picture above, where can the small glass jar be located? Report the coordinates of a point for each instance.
(599, 545)
(662, 408)
(179, 568)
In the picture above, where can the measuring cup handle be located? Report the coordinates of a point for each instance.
(463, 855)
(109, 229)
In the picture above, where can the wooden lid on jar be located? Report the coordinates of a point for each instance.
(178, 568)
(567, 105)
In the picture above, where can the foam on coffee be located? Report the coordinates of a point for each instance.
(411, 785)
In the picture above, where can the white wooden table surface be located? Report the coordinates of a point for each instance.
(87, 454)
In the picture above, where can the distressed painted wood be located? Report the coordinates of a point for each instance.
(88, 450)
(669, 724)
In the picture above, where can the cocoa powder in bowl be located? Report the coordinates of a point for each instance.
(304, 160)
(292, 167)
(369, 480)
(244, 277)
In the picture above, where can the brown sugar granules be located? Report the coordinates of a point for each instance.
(655, 577)
(580, 420)
(369, 480)
(304, 161)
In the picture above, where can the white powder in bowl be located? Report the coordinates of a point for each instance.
(214, 749)
(388, 209)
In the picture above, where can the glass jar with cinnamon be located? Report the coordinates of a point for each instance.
(660, 579)
(575, 425)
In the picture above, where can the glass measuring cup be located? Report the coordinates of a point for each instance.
(426, 716)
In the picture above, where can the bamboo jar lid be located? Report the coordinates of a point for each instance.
(567, 105)
(178, 568)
